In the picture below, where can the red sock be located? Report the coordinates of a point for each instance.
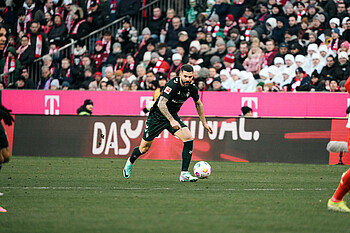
(343, 187)
(349, 140)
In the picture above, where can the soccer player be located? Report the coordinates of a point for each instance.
(5, 154)
(163, 115)
(336, 203)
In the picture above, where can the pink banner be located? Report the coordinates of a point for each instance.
(215, 103)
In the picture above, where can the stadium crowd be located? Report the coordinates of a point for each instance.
(237, 46)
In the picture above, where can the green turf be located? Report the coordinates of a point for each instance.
(90, 195)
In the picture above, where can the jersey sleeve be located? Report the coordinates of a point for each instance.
(194, 93)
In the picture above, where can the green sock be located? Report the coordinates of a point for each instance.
(187, 155)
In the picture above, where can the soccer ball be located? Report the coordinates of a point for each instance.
(202, 169)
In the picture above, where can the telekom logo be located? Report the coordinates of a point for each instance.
(251, 102)
(50, 101)
(145, 102)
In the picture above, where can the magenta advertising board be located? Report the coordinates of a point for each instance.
(215, 103)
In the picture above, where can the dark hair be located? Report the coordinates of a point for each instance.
(187, 68)
(107, 33)
(331, 57)
(149, 71)
(161, 45)
(246, 109)
(293, 15)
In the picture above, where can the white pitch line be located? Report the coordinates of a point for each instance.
(161, 188)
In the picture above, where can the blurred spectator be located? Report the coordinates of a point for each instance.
(146, 39)
(242, 53)
(116, 51)
(9, 64)
(80, 27)
(282, 50)
(127, 36)
(172, 35)
(334, 86)
(158, 64)
(78, 53)
(46, 78)
(248, 83)
(328, 6)
(176, 64)
(316, 84)
(29, 84)
(155, 23)
(278, 31)
(226, 80)
(255, 60)
(103, 84)
(47, 22)
(192, 12)
(222, 8)
(65, 72)
(270, 53)
(25, 53)
(344, 64)
(96, 18)
(59, 30)
(150, 81)
(293, 26)
(331, 68)
(216, 85)
(38, 40)
(342, 86)
(336, 41)
(99, 56)
(19, 84)
(48, 7)
(54, 85)
(127, 7)
(86, 108)
(107, 41)
(247, 111)
(165, 53)
(110, 86)
(221, 48)
(170, 14)
(30, 8)
(301, 81)
(8, 16)
(131, 63)
(112, 9)
(162, 80)
(22, 25)
(141, 74)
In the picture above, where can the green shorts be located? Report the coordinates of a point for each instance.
(3, 138)
(155, 124)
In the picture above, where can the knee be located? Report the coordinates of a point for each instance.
(5, 154)
(144, 149)
(189, 138)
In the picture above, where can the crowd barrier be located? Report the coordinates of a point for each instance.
(216, 103)
(238, 139)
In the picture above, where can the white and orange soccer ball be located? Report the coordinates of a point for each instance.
(202, 169)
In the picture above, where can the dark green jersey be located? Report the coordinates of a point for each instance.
(176, 95)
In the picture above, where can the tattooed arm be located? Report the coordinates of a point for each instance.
(200, 111)
(164, 109)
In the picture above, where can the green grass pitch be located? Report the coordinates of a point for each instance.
(90, 195)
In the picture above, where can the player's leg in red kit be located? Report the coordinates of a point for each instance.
(336, 202)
